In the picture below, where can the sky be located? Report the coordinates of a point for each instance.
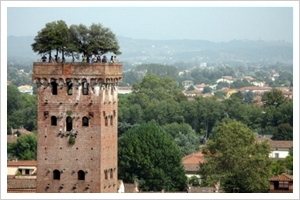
(181, 21)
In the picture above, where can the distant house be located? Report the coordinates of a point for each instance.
(21, 176)
(124, 89)
(23, 167)
(230, 92)
(191, 164)
(279, 149)
(282, 183)
(255, 89)
(226, 79)
(27, 89)
(187, 83)
(192, 93)
(200, 86)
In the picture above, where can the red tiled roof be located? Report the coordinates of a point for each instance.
(282, 177)
(277, 143)
(22, 163)
(281, 144)
(191, 161)
(11, 138)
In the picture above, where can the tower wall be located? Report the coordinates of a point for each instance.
(77, 101)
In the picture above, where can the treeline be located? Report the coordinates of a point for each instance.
(162, 100)
(21, 110)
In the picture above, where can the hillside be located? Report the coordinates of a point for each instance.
(171, 51)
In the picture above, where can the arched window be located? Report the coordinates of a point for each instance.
(69, 123)
(111, 173)
(56, 174)
(111, 120)
(53, 121)
(106, 121)
(69, 87)
(81, 175)
(85, 87)
(106, 174)
(85, 121)
(54, 87)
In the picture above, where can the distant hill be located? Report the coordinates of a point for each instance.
(171, 51)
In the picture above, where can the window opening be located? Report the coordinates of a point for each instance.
(106, 174)
(81, 175)
(69, 123)
(54, 87)
(85, 89)
(69, 87)
(111, 173)
(111, 120)
(85, 121)
(106, 121)
(53, 121)
(27, 171)
(56, 175)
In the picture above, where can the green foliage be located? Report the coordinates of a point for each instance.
(56, 35)
(206, 89)
(25, 148)
(21, 109)
(184, 136)
(283, 132)
(71, 140)
(273, 98)
(194, 181)
(148, 153)
(234, 158)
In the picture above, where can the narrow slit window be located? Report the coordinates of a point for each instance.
(69, 87)
(106, 174)
(54, 87)
(85, 88)
(111, 120)
(69, 122)
(111, 173)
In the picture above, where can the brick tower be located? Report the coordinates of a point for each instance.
(77, 126)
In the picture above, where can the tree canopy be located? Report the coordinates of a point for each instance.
(149, 154)
(236, 159)
(24, 149)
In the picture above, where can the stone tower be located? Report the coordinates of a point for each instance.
(77, 126)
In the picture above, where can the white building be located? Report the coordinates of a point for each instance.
(27, 89)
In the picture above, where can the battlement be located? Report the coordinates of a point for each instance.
(108, 72)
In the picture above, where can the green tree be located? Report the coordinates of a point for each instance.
(148, 153)
(25, 148)
(206, 89)
(184, 136)
(273, 98)
(95, 39)
(236, 159)
(53, 37)
(283, 132)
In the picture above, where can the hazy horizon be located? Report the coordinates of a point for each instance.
(215, 24)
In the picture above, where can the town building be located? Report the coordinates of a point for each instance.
(282, 183)
(77, 126)
(27, 89)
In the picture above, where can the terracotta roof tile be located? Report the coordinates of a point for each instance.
(22, 163)
(282, 177)
(191, 161)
